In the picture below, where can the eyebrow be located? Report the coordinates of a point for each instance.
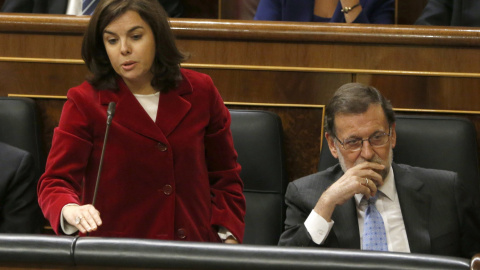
(373, 134)
(129, 31)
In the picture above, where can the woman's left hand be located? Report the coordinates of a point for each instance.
(83, 217)
(230, 240)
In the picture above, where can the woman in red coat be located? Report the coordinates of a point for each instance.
(170, 169)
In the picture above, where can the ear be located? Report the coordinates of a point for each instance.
(331, 144)
(393, 136)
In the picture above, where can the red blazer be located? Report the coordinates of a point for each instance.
(176, 179)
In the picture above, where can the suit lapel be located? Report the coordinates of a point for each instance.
(346, 221)
(56, 6)
(415, 205)
(173, 107)
(130, 114)
(346, 229)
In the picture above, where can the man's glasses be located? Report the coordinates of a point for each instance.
(355, 144)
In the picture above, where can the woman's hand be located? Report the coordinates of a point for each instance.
(84, 217)
(230, 240)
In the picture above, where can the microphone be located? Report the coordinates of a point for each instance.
(110, 113)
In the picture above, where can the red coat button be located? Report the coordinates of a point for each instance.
(167, 189)
(182, 233)
(162, 147)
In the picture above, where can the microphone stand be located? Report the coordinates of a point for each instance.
(110, 113)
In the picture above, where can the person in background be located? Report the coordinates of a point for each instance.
(19, 211)
(170, 169)
(174, 8)
(367, 201)
(451, 13)
(239, 9)
(336, 11)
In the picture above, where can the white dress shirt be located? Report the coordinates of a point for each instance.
(74, 7)
(149, 103)
(389, 207)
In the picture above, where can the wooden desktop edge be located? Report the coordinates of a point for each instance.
(262, 30)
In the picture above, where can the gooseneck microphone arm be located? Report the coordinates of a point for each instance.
(110, 113)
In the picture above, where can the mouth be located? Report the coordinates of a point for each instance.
(128, 65)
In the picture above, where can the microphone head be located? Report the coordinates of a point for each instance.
(110, 111)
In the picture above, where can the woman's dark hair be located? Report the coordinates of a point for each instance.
(355, 98)
(166, 65)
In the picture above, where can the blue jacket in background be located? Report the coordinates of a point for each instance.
(374, 11)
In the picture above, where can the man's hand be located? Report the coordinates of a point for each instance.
(362, 178)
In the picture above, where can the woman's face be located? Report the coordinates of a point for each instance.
(130, 46)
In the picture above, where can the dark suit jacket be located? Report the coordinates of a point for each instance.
(440, 216)
(451, 12)
(35, 6)
(374, 11)
(19, 211)
(173, 7)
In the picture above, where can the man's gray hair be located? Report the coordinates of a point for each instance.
(355, 98)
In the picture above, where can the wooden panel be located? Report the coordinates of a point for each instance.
(302, 33)
(50, 111)
(40, 78)
(276, 86)
(40, 46)
(436, 93)
(347, 57)
(268, 62)
(234, 85)
(63, 25)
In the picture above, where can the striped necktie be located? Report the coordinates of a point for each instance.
(88, 6)
(374, 235)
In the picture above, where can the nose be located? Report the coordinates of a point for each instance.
(125, 47)
(367, 152)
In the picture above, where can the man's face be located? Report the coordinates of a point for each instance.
(362, 126)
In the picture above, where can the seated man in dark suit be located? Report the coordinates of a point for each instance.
(19, 210)
(451, 12)
(369, 202)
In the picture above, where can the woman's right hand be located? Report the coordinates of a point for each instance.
(84, 217)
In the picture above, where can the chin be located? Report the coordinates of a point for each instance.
(384, 172)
